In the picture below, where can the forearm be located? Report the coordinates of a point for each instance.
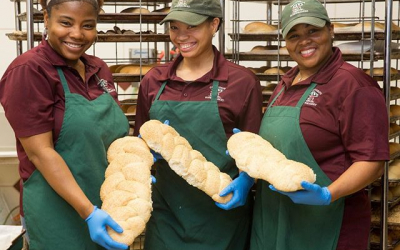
(358, 176)
(57, 174)
(51, 165)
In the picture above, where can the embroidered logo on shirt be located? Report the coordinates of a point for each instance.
(220, 90)
(311, 98)
(104, 85)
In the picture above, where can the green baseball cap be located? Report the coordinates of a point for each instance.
(303, 11)
(193, 12)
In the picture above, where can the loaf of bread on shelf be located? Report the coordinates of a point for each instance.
(395, 191)
(394, 147)
(379, 71)
(259, 27)
(394, 128)
(394, 170)
(394, 110)
(126, 190)
(342, 25)
(376, 194)
(163, 10)
(135, 69)
(135, 10)
(274, 71)
(188, 163)
(261, 160)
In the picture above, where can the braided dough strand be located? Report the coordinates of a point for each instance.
(261, 160)
(126, 190)
(188, 163)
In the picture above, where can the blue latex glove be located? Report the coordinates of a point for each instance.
(240, 188)
(313, 194)
(235, 131)
(97, 222)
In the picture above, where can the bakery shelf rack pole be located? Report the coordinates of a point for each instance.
(221, 33)
(17, 9)
(386, 90)
(29, 24)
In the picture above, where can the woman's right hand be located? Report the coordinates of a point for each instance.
(97, 222)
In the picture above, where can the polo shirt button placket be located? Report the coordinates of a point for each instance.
(185, 94)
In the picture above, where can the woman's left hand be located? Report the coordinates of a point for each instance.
(313, 194)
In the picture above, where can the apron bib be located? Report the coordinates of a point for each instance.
(183, 216)
(279, 223)
(88, 128)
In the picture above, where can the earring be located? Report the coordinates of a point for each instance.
(44, 34)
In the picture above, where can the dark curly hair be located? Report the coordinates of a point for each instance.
(97, 4)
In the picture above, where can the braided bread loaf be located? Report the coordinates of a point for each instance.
(188, 163)
(126, 190)
(261, 160)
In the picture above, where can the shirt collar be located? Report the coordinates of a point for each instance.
(219, 71)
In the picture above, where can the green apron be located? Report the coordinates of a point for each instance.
(279, 223)
(88, 129)
(184, 217)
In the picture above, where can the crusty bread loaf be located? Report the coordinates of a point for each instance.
(394, 147)
(135, 10)
(134, 69)
(394, 128)
(342, 25)
(394, 170)
(395, 110)
(379, 71)
(126, 190)
(188, 163)
(259, 27)
(274, 71)
(163, 10)
(261, 160)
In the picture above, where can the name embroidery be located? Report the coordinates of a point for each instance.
(183, 4)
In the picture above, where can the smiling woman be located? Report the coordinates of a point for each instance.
(66, 93)
(322, 97)
(204, 97)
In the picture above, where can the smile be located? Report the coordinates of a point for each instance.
(74, 45)
(307, 52)
(186, 46)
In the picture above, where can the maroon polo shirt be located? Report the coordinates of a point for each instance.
(239, 97)
(33, 97)
(344, 122)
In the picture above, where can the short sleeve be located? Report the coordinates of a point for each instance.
(28, 99)
(364, 125)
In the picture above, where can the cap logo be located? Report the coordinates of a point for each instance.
(183, 4)
(297, 8)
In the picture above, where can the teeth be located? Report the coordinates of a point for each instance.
(304, 52)
(185, 46)
(73, 45)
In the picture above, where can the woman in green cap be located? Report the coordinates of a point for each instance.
(332, 117)
(204, 97)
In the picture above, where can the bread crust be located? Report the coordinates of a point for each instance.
(126, 190)
(188, 163)
(261, 160)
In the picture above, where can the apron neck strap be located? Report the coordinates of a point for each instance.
(273, 100)
(63, 80)
(213, 96)
(306, 94)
